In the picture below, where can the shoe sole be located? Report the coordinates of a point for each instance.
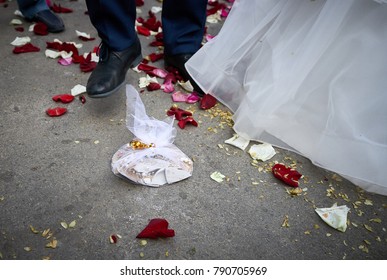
(135, 62)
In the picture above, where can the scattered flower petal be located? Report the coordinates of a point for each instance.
(40, 29)
(179, 114)
(154, 57)
(156, 228)
(25, 49)
(179, 96)
(84, 36)
(59, 9)
(287, 175)
(186, 85)
(20, 41)
(113, 239)
(56, 112)
(64, 98)
(182, 123)
(207, 102)
(192, 98)
(153, 86)
(16, 21)
(65, 61)
(143, 30)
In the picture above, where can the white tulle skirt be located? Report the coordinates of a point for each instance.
(307, 76)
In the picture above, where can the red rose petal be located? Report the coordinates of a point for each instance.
(207, 102)
(182, 123)
(143, 30)
(25, 49)
(287, 175)
(179, 114)
(56, 112)
(59, 9)
(85, 39)
(155, 57)
(64, 98)
(19, 29)
(153, 86)
(40, 29)
(156, 228)
(139, 3)
(82, 99)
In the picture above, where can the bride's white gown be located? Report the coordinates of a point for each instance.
(307, 76)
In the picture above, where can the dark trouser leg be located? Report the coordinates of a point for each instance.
(183, 25)
(120, 50)
(114, 21)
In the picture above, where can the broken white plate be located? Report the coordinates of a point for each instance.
(77, 90)
(335, 216)
(262, 152)
(238, 141)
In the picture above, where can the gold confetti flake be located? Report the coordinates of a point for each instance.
(285, 223)
(368, 202)
(376, 220)
(142, 254)
(368, 228)
(33, 229)
(45, 232)
(27, 249)
(64, 225)
(52, 244)
(363, 248)
(143, 242)
(73, 224)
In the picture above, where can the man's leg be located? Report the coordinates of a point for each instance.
(37, 10)
(183, 28)
(120, 48)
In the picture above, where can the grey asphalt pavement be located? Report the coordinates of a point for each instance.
(57, 170)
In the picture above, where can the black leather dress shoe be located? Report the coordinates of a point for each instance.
(178, 61)
(53, 22)
(109, 75)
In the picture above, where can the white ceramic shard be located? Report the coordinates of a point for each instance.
(335, 216)
(238, 141)
(262, 152)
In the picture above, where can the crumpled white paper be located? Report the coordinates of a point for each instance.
(161, 164)
(335, 216)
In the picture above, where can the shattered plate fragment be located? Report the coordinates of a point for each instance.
(77, 90)
(262, 152)
(335, 216)
(238, 141)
